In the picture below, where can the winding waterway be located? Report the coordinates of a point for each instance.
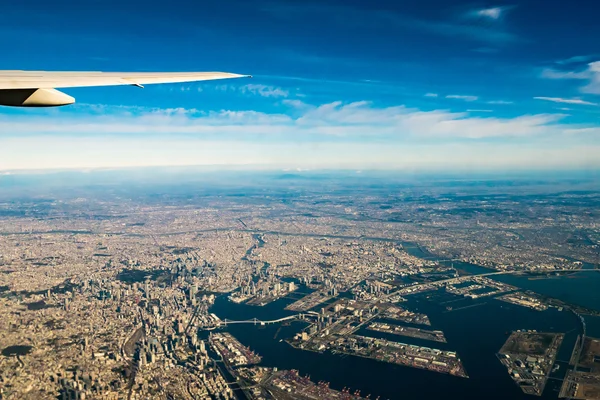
(476, 329)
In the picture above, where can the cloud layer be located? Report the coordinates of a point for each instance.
(300, 121)
(331, 135)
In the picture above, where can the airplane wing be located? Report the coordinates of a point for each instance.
(36, 88)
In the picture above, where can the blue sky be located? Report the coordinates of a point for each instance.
(418, 85)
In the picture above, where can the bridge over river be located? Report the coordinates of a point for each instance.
(312, 314)
(256, 321)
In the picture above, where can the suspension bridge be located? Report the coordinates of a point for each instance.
(256, 321)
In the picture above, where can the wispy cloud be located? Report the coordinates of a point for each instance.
(591, 74)
(550, 73)
(594, 85)
(462, 97)
(566, 101)
(500, 102)
(335, 134)
(297, 104)
(583, 131)
(480, 111)
(354, 17)
(431, 95)
(337, 119)
(492, 13)
(577, 59)
(246, 90)
(264, 90)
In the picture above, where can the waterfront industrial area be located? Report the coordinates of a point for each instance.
(583, 381)
(123, 300)
(529, 358)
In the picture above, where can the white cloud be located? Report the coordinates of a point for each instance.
(329, 135)
(298, 104)
(353, 17)
(576, 59)
(550, 73)
(337, 119)
(583, 131)
(500, 102)
(431, 95)
(594, 85)
(264, 91)
(591, 74)
(252, 89)
(462, 97)
(492, 13)
(485, 111)
(566, 101)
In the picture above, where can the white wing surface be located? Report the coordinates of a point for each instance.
(55, 79)
(36, 88)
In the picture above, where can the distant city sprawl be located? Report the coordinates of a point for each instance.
(110, 291)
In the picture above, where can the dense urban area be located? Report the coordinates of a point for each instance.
(109, 291)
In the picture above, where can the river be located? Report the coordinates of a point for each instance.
(476, 332)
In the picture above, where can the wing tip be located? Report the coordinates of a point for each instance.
(240, 76)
